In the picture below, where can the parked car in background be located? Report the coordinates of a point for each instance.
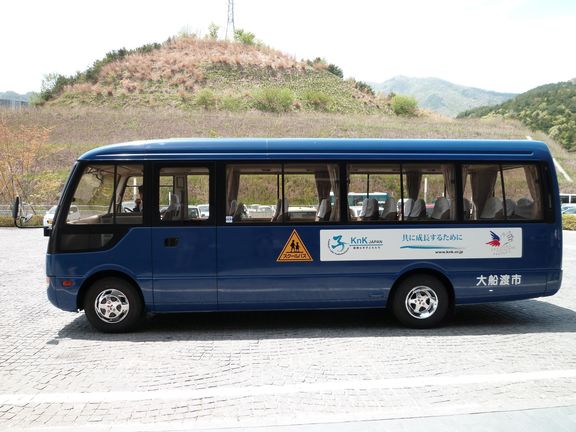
(73, 214)
(193, 212)
(204, 210)
(568, 208)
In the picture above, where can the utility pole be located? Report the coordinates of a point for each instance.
(230, 23)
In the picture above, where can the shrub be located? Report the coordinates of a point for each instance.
(569, 222)
(232, 103)
(244, 37)
(332, 68)
(213, 31)
(317, 100)
(404, 105)
(364, 88)
(52, 85)
(23, 152)
(274, 99)
(206, 99)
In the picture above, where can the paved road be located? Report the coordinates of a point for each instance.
(262, 369)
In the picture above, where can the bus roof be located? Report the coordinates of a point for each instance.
(314, 148)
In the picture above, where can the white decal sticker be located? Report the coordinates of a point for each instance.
(429, 243)
(499, 280)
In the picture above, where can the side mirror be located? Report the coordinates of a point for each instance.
(16, 209)
(47, 231)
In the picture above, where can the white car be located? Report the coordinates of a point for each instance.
(204, 211)
(73, 214)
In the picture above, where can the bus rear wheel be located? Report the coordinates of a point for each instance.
(421, 301)
(113, 305)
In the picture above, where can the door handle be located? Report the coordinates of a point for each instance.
(171, 242)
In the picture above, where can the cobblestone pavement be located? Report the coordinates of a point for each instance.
(250, 369)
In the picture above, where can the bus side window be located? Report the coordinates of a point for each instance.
(277, 193)
(415, 192)
(374, 192)
(502, 192)
(184, 194)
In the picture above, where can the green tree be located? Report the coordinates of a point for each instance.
(213, 31)
(332, 68)
(245, 37)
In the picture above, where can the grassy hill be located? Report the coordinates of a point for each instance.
(441, 96)
(549, 108)
(190, 73)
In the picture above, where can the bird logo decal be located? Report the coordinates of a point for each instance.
(495, 242)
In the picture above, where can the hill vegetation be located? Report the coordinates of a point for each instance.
(549, 108)
(189, 72)
(441, 96)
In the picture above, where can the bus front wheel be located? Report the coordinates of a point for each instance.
(113, 305)
(421, 301)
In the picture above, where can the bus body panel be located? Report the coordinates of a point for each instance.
(130, 256)
(250, 273)
(184, 263)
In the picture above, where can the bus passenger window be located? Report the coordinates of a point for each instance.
(409, 192)
(275, 193)
(373, 192)
(430, 188)
(184, 194)
(523, 190)
(502, 192)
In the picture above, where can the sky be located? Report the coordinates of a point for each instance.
(500, 45)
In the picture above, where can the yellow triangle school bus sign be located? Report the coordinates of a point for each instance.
(294, 250)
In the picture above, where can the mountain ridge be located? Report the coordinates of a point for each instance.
(550, 108)
(440, 95)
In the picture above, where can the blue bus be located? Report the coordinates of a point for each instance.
(458, 222)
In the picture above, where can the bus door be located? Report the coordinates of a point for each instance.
(268, 247)
(184, 240)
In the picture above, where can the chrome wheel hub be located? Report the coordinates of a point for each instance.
(111, 306)
(421, 302)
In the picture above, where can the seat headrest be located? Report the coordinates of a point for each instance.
(524, 208)
(491, 208)
(441, 208)
(510, 207)
(418, 209)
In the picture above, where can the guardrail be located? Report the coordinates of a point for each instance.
(39, 209)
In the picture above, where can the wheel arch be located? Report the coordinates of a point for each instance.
(101, 275)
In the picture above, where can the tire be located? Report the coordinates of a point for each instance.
(113, 305)
(421, 301)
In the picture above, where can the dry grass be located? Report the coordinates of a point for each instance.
(178, 64)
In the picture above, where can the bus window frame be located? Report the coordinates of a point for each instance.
(221, 191)
(403, 219)
(545, 187)
(155, 220)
